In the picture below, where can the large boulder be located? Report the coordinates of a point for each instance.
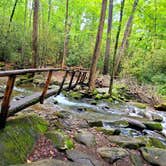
(18, 138)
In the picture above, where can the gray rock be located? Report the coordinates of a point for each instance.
(127, 142)
(112, 154)
(135, 123)
(154, 156)
(85, 138)
(83, 158)
(51, 162)
(157, 118)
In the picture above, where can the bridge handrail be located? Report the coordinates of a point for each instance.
(12, 74)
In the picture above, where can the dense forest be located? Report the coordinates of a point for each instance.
(38, 33)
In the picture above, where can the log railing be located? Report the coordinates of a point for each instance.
(6, 107)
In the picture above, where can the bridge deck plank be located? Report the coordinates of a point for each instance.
(16, 106)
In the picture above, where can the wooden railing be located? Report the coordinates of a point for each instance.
(7, 109)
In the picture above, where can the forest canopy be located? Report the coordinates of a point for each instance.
(145, 53)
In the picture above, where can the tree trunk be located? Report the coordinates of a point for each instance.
(12, 14)
(49, 10)
(126, 36)
(107, 52)
(35, 34)
(116, 47)
(66, 35)
(24, 34)
(96, 52)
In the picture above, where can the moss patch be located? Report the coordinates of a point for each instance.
(60, 139)
(18, 138)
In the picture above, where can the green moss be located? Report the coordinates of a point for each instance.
(154, 142)
(18, 138)
(60, 139)
(161, 106)
(76, 95)
(153, 126)
(139, 105)
(110, 131)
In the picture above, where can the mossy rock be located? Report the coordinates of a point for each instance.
(154, 126)
(161, 107)
(139, 105)
(154, 142)
(109, 131)
(75, 95)
(18, 138)
(60, 139)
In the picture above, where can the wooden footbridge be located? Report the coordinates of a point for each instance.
(10, 108)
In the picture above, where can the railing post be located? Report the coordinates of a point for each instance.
(71, 80)
(46, 87)
(82, 77)
(63, 81)
(78, 78)
(6, 101)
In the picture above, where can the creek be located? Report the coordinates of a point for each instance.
(103, 111)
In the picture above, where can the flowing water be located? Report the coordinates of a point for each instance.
(103, 111)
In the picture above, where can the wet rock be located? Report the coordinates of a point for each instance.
(82, 158)
(93, 102)
(127, 142)
(161, 107)
(157, 118)
(51, 162)
(153, 126)
(85, 138)
(154, 156)
(112, 154)
(109, 131)
(18, 138)
(135, 124)
(117, 123)
(60, 139)
(95, 123)
(139, 105)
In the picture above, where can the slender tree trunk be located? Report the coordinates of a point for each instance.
(23, 42)
(49, 10)
(96, 52)
(35, 34)
(126, 36)
(116, 47)
(66, 35)
(13, 11)
(107, 52)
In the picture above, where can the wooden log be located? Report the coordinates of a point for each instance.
(26, 71)
(63, 81)
(82, 78)
(46, 87)
(6, 101)
(71, 80)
